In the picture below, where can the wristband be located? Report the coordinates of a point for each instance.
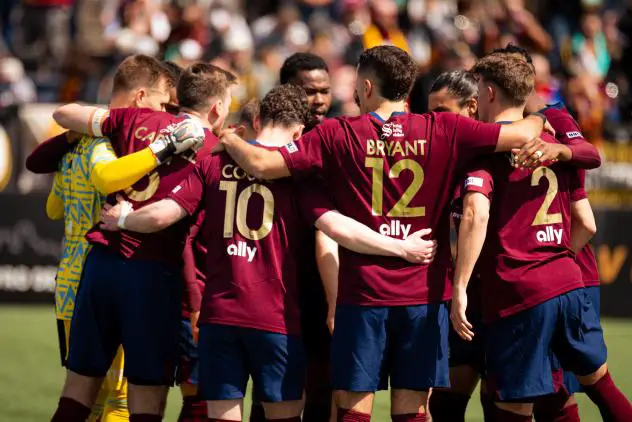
(121, 220)
(98, 117)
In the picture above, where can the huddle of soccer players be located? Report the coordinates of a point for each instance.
(377, 185)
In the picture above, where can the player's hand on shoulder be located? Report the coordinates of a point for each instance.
(227, 136)
(112, 215)
(460, 324)
(536, 153)
(419, 250)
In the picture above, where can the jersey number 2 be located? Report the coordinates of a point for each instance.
(401, 208)
(240, 205)
(543, 217)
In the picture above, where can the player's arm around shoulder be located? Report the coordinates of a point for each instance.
(260, 163)
(81, 118)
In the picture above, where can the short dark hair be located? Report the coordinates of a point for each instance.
(511, 48)
(249, 112)
(173, 68)
(461, 85)
(300, 62)
(393, 68)
(200, 82)
(511, 73)
(285, 105)
(139, 71)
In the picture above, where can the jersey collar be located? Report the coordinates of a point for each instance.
(377, 117)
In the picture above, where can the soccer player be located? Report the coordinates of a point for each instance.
(533, 301)
(249, 322)
(319, 277)
(559, 406)
(457, 92)
(247, 125)
(131, 283)
(394, 172)
(311, 73)
(88, 171)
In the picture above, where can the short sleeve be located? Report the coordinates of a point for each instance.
(100, 151)
(471, 138)
(190, 193)
(478, 178)
(305, 157)
(116, 119)
(578, 190)
(313, 200)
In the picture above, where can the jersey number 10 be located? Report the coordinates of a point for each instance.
(240, 205)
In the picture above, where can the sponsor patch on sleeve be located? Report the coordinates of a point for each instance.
(474, 181)
(291, 148)
(176, 189)
(571, 135)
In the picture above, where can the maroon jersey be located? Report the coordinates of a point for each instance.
(568, 131)
(194, 257)
(527, 258)
(252, 235)
(396, 177)
(132, 130)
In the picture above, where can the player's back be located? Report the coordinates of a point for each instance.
(132, 130)
(82, 205)
(527, 258)
(252, 232)
(397, 176)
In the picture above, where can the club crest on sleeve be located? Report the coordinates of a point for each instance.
(571, 135)
(291, 147)
(474, 181)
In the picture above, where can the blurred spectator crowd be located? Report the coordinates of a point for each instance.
(66, 50)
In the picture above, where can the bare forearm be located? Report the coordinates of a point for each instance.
(516, 134)
(357, 237)
(472, 233)
(154, 217)
(583, 225)
(79, 118)
(328, 266)
(257, 162)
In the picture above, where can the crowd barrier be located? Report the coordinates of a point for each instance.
(30, 244)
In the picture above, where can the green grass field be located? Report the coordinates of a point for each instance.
(31, 378)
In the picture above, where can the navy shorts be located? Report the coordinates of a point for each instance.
(408, 344)
(469, 353)
(126, 302)
(524, 351)
(188, 351)
(229, 355)
(593, 294)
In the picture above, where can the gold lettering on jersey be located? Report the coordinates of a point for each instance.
(543, 217)
(393, 147)
(242, 211)
(231, 171)
(401, 208)
(148, 192)
(143, 135)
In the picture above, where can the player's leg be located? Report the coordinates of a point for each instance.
(150, 322)
(418, 357)
(358, 348)
(582, 349)
(277, 366)
(515, 382)
(467, 359)
(223, 372)
(93, 340)
(558, 407)
(116, 408)
(194, 409)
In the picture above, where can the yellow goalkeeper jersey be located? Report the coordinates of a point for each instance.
(75, 198)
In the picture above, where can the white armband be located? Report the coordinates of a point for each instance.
(124, 213)
(98, 117)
